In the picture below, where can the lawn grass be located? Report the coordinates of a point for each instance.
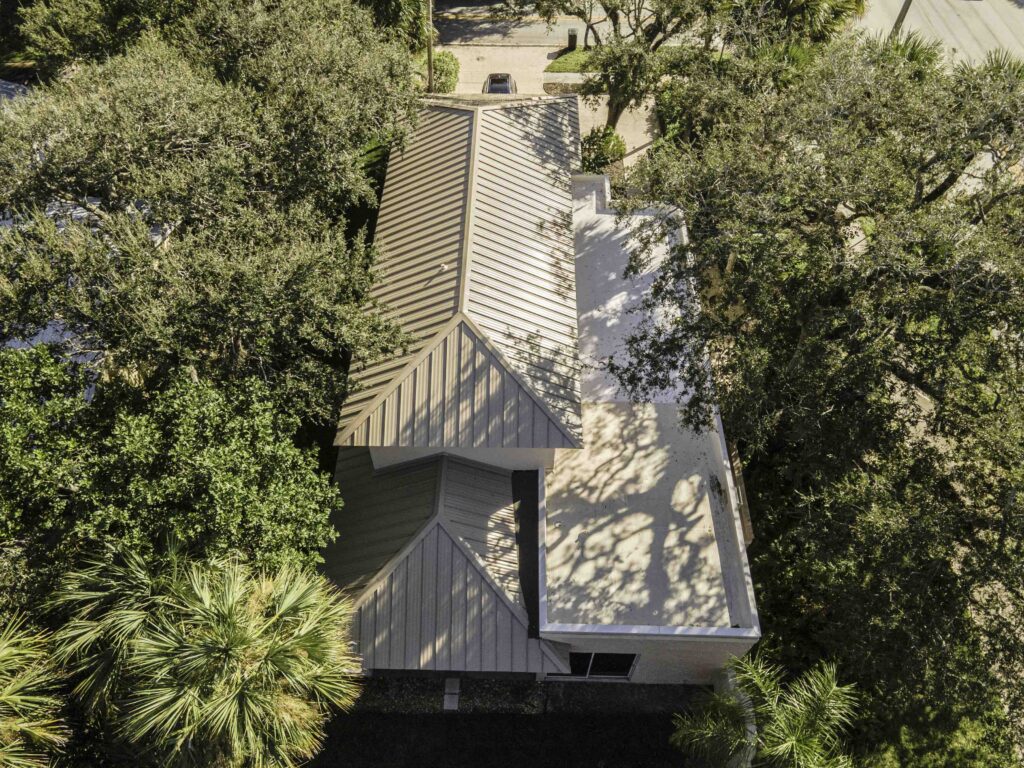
(572, 61)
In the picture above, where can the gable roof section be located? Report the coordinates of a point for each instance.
(435, 609)
(475, 227)
(383, 510)
(458, 390)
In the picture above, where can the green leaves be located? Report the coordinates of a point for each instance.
(216, 467)
(855, 236)
(202, 663)
(762, 719)
(30, 730)
(185, 203)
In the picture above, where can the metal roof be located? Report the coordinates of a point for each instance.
(435, 609)
(430, 550)
(475, 230)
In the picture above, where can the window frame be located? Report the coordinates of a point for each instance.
(590, 663)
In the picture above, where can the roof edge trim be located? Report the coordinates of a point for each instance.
(415, 360)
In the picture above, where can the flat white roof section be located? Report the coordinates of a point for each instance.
(641, 529)
(475, 230)
(631, 523)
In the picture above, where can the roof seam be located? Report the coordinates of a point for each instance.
(518, 611)
(522, 382)
(428, 345)
(385, 570)
(468, 224)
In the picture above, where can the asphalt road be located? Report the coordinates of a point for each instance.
(461, 23)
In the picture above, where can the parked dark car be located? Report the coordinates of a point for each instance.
(499, 83)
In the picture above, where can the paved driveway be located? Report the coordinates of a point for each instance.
(525, 63)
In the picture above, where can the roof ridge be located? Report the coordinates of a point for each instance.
(459, 318)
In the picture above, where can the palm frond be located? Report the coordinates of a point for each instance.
(229, 666)
(29, 728)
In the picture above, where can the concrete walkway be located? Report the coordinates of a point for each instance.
(526, 64)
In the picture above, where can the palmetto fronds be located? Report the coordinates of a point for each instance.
(794, 725)
(29, 728)
(210, 663)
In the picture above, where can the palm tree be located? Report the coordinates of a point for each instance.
(763, 722)
(208, 663)
(819, 20)
(29, 728)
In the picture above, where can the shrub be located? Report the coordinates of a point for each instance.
(602, 147)
(446, 72)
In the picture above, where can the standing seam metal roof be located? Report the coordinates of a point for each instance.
(430, 550)
(475, 229)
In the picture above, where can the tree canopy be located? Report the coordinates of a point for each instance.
(190, 205)
(854, 232)
(214, 467)
(642, 41)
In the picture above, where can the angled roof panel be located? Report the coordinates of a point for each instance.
(436, 609)
(477, 506)
(420, 230)
(383, 511)
(457, 392)
(476, 225)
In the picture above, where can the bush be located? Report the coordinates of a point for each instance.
(602, 147)
(446, 72)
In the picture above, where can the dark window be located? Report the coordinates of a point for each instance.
(579, 664)
(600, 665)
(612, 664)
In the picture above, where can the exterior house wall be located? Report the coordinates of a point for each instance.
(694, 660)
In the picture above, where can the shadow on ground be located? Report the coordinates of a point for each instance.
(498, 741)
(507, 724)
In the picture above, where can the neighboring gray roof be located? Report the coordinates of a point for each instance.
(475, 228)
(967, 29)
